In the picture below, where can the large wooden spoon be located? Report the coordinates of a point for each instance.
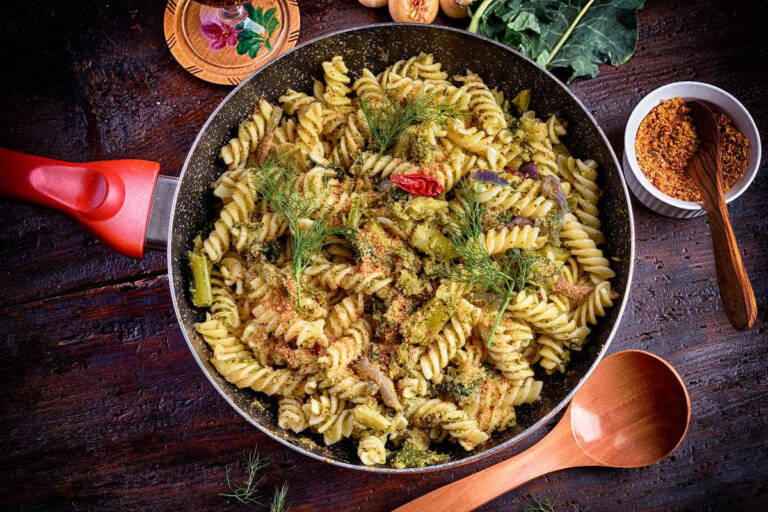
(706, 171)
(632, 411)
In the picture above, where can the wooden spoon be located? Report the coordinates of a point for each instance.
(706, 171)
(632, 411)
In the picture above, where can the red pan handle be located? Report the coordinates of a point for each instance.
(111, 198)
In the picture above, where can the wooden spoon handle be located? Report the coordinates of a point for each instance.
(735, 288)
(558, 450)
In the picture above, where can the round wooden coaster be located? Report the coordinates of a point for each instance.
(228, 52)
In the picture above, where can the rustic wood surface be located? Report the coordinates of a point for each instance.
(102, 406)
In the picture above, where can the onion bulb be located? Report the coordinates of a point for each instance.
(454, 8)
(413, 11)
(373, 4)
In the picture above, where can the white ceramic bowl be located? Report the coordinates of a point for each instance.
(652, 197)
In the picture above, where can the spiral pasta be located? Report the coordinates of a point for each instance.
(373, 312)
(290, 415)
(517, 237)
(371, 449)
(235, 153)
(454, 421)
(584, 249)
(452, 338)
(336, 80)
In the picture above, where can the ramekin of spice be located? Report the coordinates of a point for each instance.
(660, 139)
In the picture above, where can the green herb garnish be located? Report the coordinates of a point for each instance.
(387, 119)
(247, 491)
(275, 182)
(500, 277)
(542, 504)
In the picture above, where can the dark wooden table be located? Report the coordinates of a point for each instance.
(102, 406)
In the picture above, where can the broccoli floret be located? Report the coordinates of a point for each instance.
(409, 457)
(460, 384)
(271, 251)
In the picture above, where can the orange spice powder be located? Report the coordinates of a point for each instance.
(667, 139)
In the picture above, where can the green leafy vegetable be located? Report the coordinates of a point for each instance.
(387, 119)
(247, 492)
(579, 34)
(500, 277)
(307, 219)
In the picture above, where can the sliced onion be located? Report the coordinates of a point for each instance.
(386, 388)
(489, 177)
(519, 221)
(531, 171)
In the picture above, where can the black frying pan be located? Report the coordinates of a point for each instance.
(130, 207)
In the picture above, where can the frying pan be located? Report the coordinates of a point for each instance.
(130, 206)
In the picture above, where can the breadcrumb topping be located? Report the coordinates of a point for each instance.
(666, 140)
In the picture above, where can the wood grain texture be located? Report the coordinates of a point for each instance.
(102, 406)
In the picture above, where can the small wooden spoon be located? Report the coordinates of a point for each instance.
(706, 171)
(632, 411)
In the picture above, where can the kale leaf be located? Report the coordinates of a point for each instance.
(579, 34)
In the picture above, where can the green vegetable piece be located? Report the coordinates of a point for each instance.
(409, 457)
(522, 101)
(432, 242)
(579, 34)
(430, 319)
(202, 296)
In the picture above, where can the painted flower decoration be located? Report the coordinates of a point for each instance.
(256, 30)
(217, 32)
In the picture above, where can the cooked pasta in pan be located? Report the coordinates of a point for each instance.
(398, 257)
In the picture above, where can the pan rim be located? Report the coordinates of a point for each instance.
(513, 441)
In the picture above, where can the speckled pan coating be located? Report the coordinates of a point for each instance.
(375, 47)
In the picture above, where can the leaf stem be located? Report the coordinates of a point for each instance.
(510, 292)
(567, 33)
(474, 25)
(297, 276)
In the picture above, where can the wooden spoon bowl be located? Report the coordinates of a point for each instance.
(633, 411)
(637, 419)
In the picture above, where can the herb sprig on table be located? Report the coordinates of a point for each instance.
(275, 180)
(248, 491)
(542, 504)
(576, 34)
(501, 277)
(387, 119)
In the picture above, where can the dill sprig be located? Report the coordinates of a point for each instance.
(500, 277)
(279, 503)
(542, 504)
(387, 119)
(247, 491)
(276, 182)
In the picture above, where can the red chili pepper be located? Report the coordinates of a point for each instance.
(418, 184)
